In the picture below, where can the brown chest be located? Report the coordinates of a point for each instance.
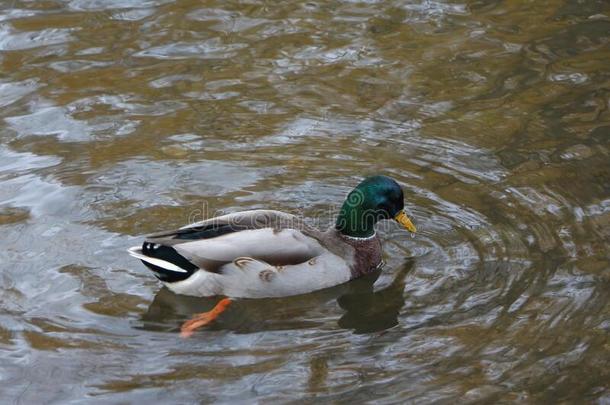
(367, 256)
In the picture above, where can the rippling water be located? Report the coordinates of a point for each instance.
(123, 117)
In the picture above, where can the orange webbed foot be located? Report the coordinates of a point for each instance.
(204, 318)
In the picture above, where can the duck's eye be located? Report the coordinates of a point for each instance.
(385, 207)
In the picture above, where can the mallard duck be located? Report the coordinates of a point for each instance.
(267, 253)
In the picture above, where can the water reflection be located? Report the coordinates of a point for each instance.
(370, 311)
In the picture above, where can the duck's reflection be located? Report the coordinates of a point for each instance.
(366, 310)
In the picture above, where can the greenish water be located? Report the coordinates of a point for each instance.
(122, 117)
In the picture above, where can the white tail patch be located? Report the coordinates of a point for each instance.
(136, 252)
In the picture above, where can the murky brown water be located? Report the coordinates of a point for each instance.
(123, 117)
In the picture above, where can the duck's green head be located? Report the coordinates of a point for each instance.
(374, 199)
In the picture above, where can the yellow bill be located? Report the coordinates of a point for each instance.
(404, 220)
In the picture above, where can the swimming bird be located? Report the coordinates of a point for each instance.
(268, 253)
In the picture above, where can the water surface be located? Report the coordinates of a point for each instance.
(121, 117)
